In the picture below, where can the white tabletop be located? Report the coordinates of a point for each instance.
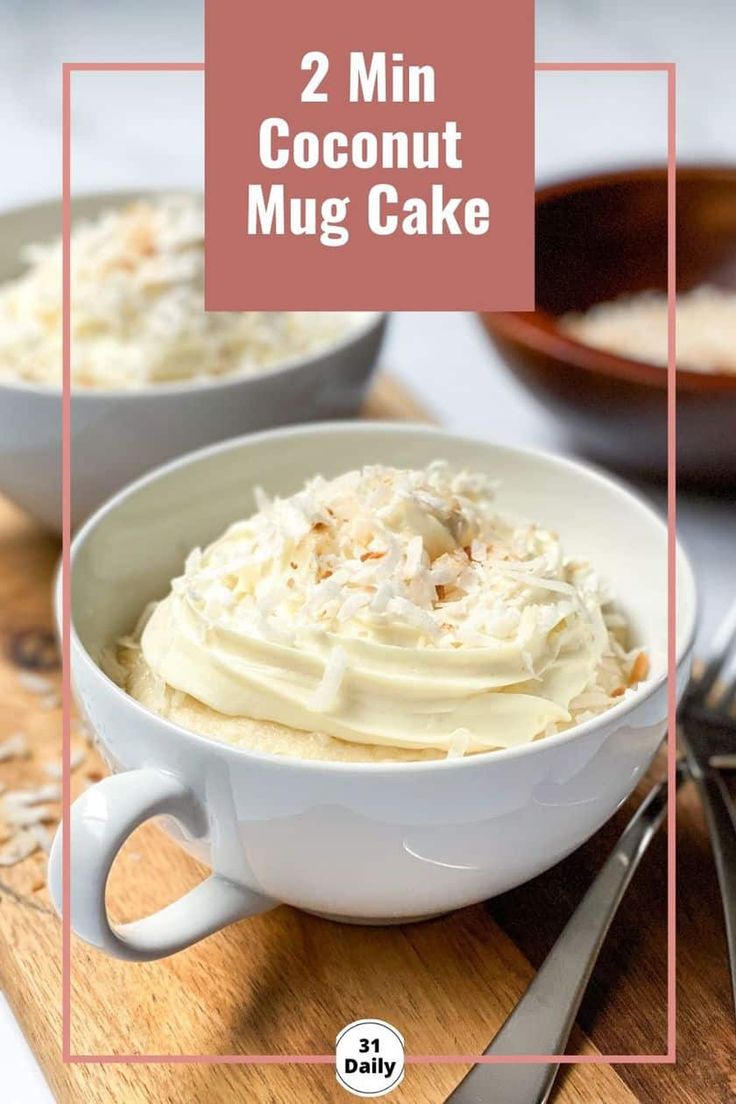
(141, 131)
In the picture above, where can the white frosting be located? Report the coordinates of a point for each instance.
(392, 608)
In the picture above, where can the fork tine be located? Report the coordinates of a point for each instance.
(726, 696)
(724, 639)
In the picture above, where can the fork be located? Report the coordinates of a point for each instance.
(708, 739)
(542, 1020)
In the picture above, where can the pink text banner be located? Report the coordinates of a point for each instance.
(374, 156)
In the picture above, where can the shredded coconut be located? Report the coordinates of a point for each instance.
(329, 688)
(21, 816)
(20, 847)
(137, 307)
(636, 326)
(49, 792)
(383, 549)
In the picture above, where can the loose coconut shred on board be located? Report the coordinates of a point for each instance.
(30, 814)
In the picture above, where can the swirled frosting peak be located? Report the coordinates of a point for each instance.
(390, 607)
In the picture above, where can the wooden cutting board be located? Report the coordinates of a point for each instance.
(286, 982)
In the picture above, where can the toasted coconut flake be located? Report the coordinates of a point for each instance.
(640, 669)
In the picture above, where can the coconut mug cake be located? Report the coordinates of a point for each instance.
(384, 614)
(379, 697)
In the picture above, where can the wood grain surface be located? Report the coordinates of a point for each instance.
(286, 982)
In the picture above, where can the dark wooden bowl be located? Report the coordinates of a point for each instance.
(603, 236)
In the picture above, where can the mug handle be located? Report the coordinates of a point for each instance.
(102, 818)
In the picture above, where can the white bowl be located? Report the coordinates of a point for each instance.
(118, 435)
(359, 842)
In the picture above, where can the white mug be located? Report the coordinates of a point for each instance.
(359, 842)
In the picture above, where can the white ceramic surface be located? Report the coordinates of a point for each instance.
(118, 435)
(370, 842)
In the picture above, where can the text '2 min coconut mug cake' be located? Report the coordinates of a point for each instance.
(381, 615)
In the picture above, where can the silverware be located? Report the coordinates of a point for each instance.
(543, 1018)
(708, 738)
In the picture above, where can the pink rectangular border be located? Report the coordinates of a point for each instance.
(324, 1059)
